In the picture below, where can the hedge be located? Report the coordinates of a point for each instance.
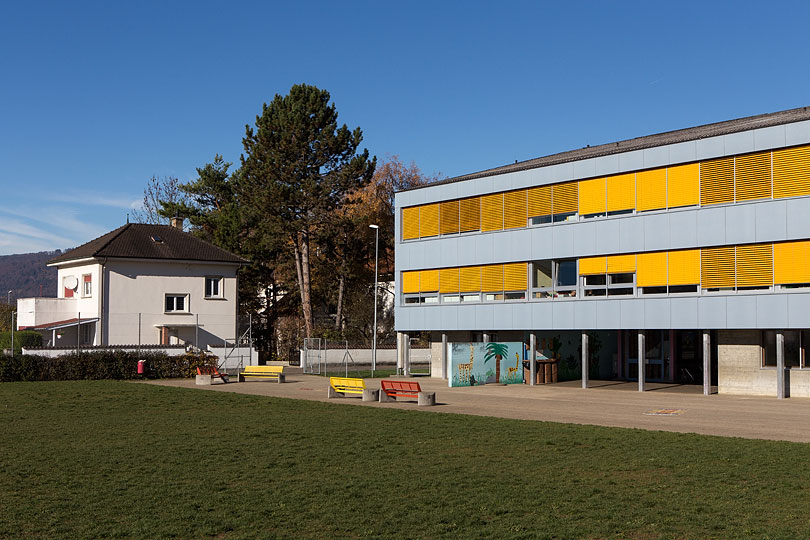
(22, 338)
(95, 365)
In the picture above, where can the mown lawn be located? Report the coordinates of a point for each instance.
(130, 460)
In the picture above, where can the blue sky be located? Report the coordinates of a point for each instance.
(96, 98)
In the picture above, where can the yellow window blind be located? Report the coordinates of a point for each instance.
(564, 198)
(589, 266)
(717, 181)
(651, 269)
(755, 265)
(410, 282)
(448, 217)
(429, 281)
(620, 264)
(492, 212)
(514, 209)
(448, 280)
(469, 279)
(651, 190)
(514, 277)
(752, 176)
(410, 223)
(790, 262)
(683, 185)
(592, 196)
(621, 192)
(684, 267)
(717, 267)
(492, 277)
(791, 172)
(429, 220)
(539, 201)
(469, 214)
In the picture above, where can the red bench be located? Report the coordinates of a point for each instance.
(212, 371)
(395, 389)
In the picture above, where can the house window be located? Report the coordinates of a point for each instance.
(176, 303)
(87, 285)
(213, 287)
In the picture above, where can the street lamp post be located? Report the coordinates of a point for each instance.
(8, 297)
(376, 260)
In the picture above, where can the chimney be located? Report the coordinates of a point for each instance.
(177, 222)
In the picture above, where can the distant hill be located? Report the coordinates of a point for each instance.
(24, 274)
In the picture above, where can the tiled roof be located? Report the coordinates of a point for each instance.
(141, 241)
(640, 143)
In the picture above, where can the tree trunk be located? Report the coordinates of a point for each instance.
(497, 368)
(302, 268)
(339, 314)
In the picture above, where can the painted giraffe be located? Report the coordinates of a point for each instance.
(465, 370)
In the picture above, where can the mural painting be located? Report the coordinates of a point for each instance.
(474, 364)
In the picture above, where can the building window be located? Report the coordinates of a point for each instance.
(213, 287)
(176, 303)
(797, 343)
(554, 279)
(87, 286)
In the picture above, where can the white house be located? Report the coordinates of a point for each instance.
(139, 284)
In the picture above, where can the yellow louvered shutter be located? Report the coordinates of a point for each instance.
(448, 217)
(651, 269)
(790, 262)
(429, 220)
(429, 281)
(592, 197)
(621, 192)
(410, 223)
(539, 201)
(684, 267)
(470, 214)
(651, 190)
(791, 172)
(448, 280)
(683, 185)
(492, 212)
(620, 264)
(410, 282)
(514, 277)
(469, 279)
(514, 209)
(564, 198)
(492, 278)
(717, 267)
(755, 265)
(752, 176)
(589, 266)
(717, 181)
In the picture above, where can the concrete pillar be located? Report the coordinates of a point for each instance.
(780, 365)
(707, 363)
(402, 339)
(584, 360)
(445, 356)
(642, 361)
(532, 355)
(486, 338)
(406, 366)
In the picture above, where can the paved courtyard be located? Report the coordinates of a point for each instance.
(607, 403)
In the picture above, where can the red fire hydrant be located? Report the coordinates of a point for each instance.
(141, 364)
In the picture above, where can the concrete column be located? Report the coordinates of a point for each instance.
(402, 350)
(642, 361)
(532, 362)
(584, 360)
(445, 356)
(707, 363)
(780, 365)
(486, 338)
(407, 364)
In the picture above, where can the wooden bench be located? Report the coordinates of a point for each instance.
(391, 390)
(269, 373)
(206, 374)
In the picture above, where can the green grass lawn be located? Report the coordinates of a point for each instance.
(129, 460)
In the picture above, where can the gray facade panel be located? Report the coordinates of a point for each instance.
(682, 152)
(502, 317)
(585, 168)
(710, 148)
(525, 179)
(467, 250)
(585, 314)
(585, 237)
(504, 247)
(563, 318)
(712, 312)
(522, 315)
(521, 245)
(563, 243)
(608, 236)
(656, 157)
(771, 221)
(655, 228)
(631, 161)
(682, 229)
(657, 313)
(542, 315)
(631, 236)
(416, 257)
(711, 226)
(632, 313)
(798, 224)
(772, 310)
(484, 317)
(431, 317)
(684, 312)
(542, 241)
(797, 133)
(484, 250)
(741, 311)
(798, 310)
(608, 314)
(432, 253)
(740, 224)
(606, 165)
(770, 137)
(466, 317)
(739, 143)
(448, 252)
(449, 317)
(402, 317)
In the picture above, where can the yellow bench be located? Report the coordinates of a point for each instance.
(345, 385)
(263, 372)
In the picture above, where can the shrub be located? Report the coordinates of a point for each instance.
(22, 338)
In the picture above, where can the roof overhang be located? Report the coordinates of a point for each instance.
(58, 325)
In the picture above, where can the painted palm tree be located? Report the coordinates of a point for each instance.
(498, 351)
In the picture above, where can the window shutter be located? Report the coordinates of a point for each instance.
(429, 281)
(539, 201)
(470, 214)
(791, 172)
(492, 212)
(592, 196)
(410, 282)
(589, 266)
(651, 269)
(448, 280)
(448, 217)
(564, 198)
(410, 223)
(790, 262)
(717, 267)
(684, 267)
(620, 264)
(429, 220)
(621, 192)
(514, 277)
(514, 209)
(717, 181)
(755, 265)
(470, 279)
(752, 176)
(651, 190)
(683, 185)
(492, 278)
